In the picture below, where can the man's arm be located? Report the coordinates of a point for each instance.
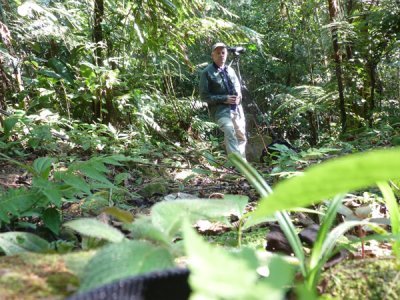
(236, 83)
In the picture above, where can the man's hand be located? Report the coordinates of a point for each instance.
(233, 99)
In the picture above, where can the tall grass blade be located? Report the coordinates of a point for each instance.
(316, 263)
(394, 213)
(328, 247)
(289, 230)
(326, 225)
(283, 218)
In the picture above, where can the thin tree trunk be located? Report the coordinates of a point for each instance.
(349, 11)
(372, 76)
(313, 128)
(374, 88)
(4, 83)
(333, 13)
(97, 39)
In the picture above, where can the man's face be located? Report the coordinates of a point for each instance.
(219, 56)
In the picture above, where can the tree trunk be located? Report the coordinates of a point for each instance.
(313, 128)
(349, 11)
(333, 13)
(372, 76)
(109, 105)
(97, 39)
(3, 87)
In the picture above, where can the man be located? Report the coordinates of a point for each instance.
(220, 88)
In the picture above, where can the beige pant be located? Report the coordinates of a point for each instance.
(234, 129)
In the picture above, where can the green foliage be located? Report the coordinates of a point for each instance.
(144, 75)
(15, 242)
(394, 212)
(301, 108)
(309, 187)
(347, 173)
(52, 219)
(51, 188)
(168, 216)
(96, 229)
(218, 274)
(128, 258)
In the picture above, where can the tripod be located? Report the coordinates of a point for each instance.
(235, 63)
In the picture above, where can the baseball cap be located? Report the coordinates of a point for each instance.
(217, 45)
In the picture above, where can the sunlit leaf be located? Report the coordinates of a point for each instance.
(168, 215)
(94, 228)
(16, 242)
(219, 274)
(328, 179)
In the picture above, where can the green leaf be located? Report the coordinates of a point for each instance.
(42, 166)
(94, 228)
(142, 228)
(9, 124)
(119, 214)
(121, 177)
(17, 201)
(52, 219)
(201, 171)
(282, 217)
(115, 160)
(394, 212)
(87, 72)
(218, 274)
(49, 73)
(326, 225)
(61, 69)
(334, 177)
(92, 172)
(48, 189)
(128, 258)
(168, 215)
(76, 182)
(16, 242)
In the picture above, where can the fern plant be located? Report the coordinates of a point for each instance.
(51, 187)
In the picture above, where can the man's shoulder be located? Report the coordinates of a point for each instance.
(209, 68)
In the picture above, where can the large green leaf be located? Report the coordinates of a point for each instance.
(49, 189)
(168, 215)
(143, 229)
(42, 166)
(219, 274)
(129, 258)
(75, 181)
(16, 242)
(17, 201)
(94, 228)
(61, 69)
(328, 179)
(52, 219)
(9, 124)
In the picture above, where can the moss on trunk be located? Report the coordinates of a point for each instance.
(372, 279)
(38, 276)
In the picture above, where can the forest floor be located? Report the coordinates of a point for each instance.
(53, 276)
